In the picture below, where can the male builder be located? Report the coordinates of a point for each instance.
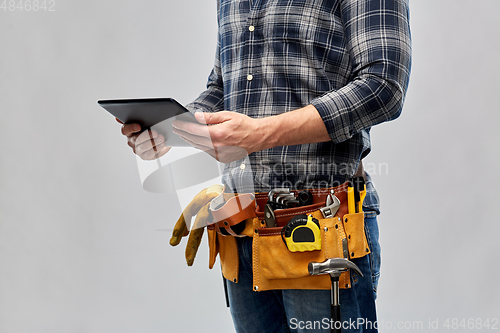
(298, 84)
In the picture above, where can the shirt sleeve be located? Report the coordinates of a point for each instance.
(378, 40)
(212, 99)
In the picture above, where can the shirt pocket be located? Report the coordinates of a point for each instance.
(233, 16)
(291, 21)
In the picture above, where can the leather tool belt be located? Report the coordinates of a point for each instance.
(274, 266)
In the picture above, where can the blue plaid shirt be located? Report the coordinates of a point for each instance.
(349, 58)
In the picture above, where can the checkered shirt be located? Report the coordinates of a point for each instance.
(348, 58)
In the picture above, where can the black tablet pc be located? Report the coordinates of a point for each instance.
(154, 113)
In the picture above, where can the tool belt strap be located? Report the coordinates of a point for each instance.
(236, 209)
(282, 216)
(229, 209)
(240, 208)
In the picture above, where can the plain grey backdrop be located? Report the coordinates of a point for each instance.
(81, 243)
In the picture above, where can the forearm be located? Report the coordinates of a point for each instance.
(296, 127)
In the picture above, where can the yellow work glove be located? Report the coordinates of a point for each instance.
(199, 206)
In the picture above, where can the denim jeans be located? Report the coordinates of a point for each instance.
(306, 310)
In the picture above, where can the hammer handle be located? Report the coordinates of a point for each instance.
(336, 323)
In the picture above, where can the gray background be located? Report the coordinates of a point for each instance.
(81, 246)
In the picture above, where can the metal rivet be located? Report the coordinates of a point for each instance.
(352, 254)
(262, 222)
(347, 285)
(346, 220)
(256, 231)
(326, 229)
(225, 223)
(339, 219)
(256, 288)
(234, 280)
(349, 236)
(367, 250)
(336, 226)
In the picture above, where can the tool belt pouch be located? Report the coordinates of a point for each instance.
(275, 267)
(226, 248)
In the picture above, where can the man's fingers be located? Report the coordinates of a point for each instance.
(194, 140)
(141, 147)
(130, 129)
(155, 154)
(212, 117)
(152, 153)
(163, 151)
(148, 145)
(209, 150)
(147, 136)
(191, 128)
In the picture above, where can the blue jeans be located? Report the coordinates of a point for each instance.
(306, 310)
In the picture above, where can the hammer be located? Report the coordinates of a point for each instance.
(334, 267)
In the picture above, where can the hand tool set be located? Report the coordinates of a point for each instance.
(321, 229)
(302, 233)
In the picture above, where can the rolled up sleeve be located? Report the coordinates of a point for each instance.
(378, 41)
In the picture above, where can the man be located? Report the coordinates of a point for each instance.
(298, 84)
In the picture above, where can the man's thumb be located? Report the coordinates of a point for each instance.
(210, 118)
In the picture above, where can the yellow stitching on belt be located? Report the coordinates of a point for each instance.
(324, 242)
(255, 259)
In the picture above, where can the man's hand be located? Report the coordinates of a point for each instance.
(148, 145)
(229, 136)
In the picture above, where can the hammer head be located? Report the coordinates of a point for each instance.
(333, 266)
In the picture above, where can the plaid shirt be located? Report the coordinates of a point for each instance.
(349, 58)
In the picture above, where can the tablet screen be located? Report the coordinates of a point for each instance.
(154, 113)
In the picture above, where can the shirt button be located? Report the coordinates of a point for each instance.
(249, 77)
(243, 166)
(251, 28)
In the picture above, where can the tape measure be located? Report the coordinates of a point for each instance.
(302, 234)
